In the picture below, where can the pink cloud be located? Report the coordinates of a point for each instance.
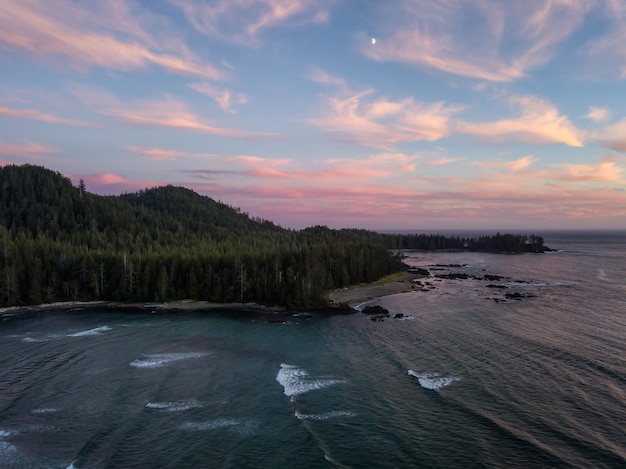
(111, 183)
(375, 166)
(501, 43)
(379, 123)
(167, 112)
(521, 163)
(607, 170)
(539, 122)
(221, 96)
(162, 154)
(242, 21)
(511, 195)
(598, 114)
(109, 35)
(614, 136)
(33, 114)
(28, 149)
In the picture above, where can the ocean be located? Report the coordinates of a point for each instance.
(523, 369)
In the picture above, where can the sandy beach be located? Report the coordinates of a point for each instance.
(360, 293)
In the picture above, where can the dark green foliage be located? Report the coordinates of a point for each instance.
(60, 243)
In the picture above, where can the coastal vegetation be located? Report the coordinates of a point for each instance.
(59, 242)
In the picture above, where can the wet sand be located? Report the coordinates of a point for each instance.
(361, 293)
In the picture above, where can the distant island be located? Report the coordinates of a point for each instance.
(61, 243)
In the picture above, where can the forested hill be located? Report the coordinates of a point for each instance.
(59, 242)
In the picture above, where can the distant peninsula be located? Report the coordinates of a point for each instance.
(60, 243)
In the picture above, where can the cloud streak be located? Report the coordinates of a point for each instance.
(359, 118)
(28, 149)
(165, 112)
(34, 114)
(163, 154)
(111, 36)
(243, 21)
(539, 122)
(501, 42)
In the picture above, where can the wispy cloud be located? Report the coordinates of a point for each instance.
(516, 165)
(482, 39)
(538, 122)
(361, 118)
(606, 54)
(286, 169)
(222, 96)
(162, 154)
(167, 111)
(598, 114)
(614, 136)
(243, 21)
(110, 183)
(27, 149)
(34, 114)
(607, 170)
(111, 35)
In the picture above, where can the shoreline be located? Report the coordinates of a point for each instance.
(341, 301)
(359, 294)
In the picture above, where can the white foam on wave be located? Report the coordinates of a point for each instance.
(176, 406)
(157, 360)
(433, 381)
(325, 416)
(296, 380)
(44, 410)
(210, 425)
(9, 456)
(95, 331)
(4, 433)
(33, 340)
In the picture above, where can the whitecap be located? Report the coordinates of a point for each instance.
(4, 433)
(210, 425)
(433, 381)
(43, 410)
(325, 416)
(158, 360)
(95, 331)
(33, 340)
(8, 454)
(296, 380)
(175, 406)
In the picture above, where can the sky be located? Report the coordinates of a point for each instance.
(384, 115)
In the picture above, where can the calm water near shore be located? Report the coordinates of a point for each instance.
(467, 379)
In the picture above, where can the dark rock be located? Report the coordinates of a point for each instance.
(453, 276)
(379, 318)
(419, 271)
(398, 316)
(491, 285)
(492, 277)
(375, 310)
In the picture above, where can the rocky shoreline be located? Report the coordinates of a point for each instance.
(347, 300)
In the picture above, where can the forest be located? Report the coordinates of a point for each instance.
(59, 242)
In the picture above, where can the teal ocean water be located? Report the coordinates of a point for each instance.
(468, 378)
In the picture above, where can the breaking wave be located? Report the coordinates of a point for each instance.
(433, 381)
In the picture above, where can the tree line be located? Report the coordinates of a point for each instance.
(61, 243)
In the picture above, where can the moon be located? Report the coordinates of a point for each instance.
(373, 40)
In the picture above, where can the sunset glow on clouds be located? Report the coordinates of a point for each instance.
(473, 114)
